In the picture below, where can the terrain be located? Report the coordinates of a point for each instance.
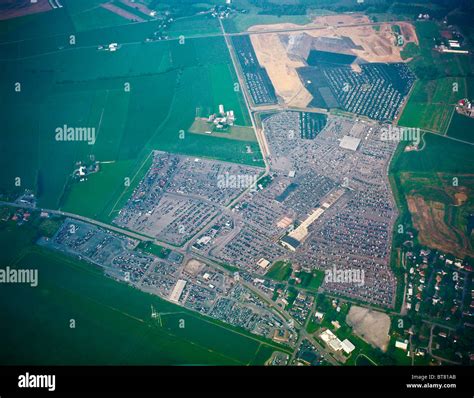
(219, 184)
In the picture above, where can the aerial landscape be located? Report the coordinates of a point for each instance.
(237, 182)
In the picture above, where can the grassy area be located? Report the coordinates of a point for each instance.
(239, 133)
(440, 154)
(112, 320)
(88, 14)
(137, 99)
(280, 271)
(194, 25)
(154, 249)
(462, 128)
(443, 80)
(431, 104)
(409, 51)
(311, 280)
(442, 220)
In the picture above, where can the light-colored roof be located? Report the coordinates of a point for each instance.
(263, 263)
(347, 346)
(335, 344)
(177, 290)
(349, 142)
(401, 344)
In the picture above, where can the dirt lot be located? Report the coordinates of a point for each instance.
(193, 267)
(439, 210)
(139, 6)
(273, 56)
(275, 51)
(123, 13)
(429, 219)
(372, 326)
(18, 8)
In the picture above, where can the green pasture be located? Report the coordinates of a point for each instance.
(113, 325)
(139, 98)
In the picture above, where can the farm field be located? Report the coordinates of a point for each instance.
(435, 188)
(194, 25)
(440, 155)
(462, 128)
(143, 96)
(431, 104)
(88, 14)
(116, 315)
(241, 22)
(443, 80)
(429, 64)
(280, 271)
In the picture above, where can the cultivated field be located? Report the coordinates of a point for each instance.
(17, 8)
(431, 104)
(436, 192)
(440, 212)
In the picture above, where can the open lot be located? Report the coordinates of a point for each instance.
(441, 212)
(372, 326)
(281, 54)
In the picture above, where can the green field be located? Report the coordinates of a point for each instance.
(429, 64)
(241, 22)
(440, 154)
(311, 280)
(443, 79)
(462, 128)
(194, 25)
(429, 174)
(431, 104)
(112, 321)
(87, 14)
(139, 98)
(280, 271)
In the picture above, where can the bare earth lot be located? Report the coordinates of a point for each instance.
(280, 53)
(123, 13)
(372, 326)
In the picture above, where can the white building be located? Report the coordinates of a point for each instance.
(347, 346)
(178, 290)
